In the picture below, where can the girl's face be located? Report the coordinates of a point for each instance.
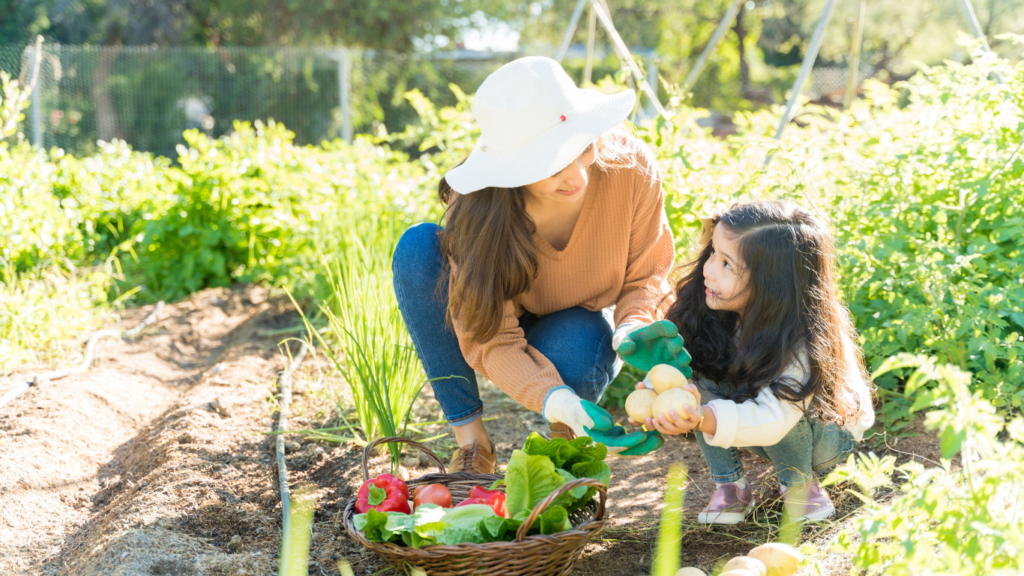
(567, 186)
(724, 276)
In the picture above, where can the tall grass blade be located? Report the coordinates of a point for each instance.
(666, 555)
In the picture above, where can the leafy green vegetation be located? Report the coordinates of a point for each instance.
(40, 309)
(961, 521)
(367, 339)
(922, 184)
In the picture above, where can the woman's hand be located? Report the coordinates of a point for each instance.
(652, 344)
(673, 423)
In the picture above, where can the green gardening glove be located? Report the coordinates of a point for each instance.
(606, 432)
(616, 439)
(653, 441)
(653, 344)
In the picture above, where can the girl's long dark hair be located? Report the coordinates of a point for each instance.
(793, 304)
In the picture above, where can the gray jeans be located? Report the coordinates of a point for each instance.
(811, 446)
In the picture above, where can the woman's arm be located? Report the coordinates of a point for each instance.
(651, 249)
(514, 366)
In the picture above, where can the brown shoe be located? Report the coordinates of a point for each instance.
(474, 459)
(559, 430)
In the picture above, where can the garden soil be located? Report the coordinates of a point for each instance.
(158, 460)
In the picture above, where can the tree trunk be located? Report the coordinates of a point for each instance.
(106, 116)
(741, 35)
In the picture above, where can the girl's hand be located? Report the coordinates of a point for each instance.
(674, 423)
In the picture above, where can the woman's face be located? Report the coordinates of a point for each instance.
(724, 277)
(567, 186)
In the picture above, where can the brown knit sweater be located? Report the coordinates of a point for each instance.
(620, 253)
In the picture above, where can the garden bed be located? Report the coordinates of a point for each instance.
(155, 461)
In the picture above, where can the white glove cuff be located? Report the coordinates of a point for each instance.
(553, 400)
(625, 330)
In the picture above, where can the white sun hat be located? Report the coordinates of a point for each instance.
(534, 122)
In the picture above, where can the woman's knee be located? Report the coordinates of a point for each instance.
(585, 360)
(417, 258)
(589, 383)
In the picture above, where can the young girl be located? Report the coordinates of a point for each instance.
(774, 359)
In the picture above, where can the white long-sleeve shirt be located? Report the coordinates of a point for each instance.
(765, 419)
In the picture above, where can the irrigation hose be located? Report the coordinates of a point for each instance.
(285, 383)
(90, 347)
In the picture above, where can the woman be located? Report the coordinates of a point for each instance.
(554, 218)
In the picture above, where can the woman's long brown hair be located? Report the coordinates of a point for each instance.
(488, 240)
(789, 266)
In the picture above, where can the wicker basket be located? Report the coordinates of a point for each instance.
(552, 555)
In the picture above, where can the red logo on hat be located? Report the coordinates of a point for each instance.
(562, 117)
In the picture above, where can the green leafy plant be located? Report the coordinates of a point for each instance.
(666, 555)
(921, 185)
(42, 310)
(369, 344)
(963, 521)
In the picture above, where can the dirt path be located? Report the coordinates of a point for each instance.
(156, 461)
(131, 468)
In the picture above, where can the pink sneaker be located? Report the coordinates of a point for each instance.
(807, 503)
(730, 504)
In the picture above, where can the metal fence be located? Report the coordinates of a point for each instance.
(148, 96)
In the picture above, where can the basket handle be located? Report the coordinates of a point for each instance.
(368, 451)
(602, 491)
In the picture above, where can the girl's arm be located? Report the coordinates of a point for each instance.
(762, 421)
(674, 423)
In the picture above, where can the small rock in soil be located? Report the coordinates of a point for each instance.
(411, 461)
(220, 407)
(292, 446)
(235, 545)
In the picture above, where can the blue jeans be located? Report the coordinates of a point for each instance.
(577, 341)
(811, 446)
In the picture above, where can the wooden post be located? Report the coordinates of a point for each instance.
(972, 21)
(37, 109)
(805, 72)
(345, 94)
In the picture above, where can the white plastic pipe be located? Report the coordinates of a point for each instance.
(698, 67)
(620, 47)
(567, 38)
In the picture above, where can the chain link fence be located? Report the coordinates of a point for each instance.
(148, 96)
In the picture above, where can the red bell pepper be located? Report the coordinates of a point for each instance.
(385, 493)
(493, 498)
